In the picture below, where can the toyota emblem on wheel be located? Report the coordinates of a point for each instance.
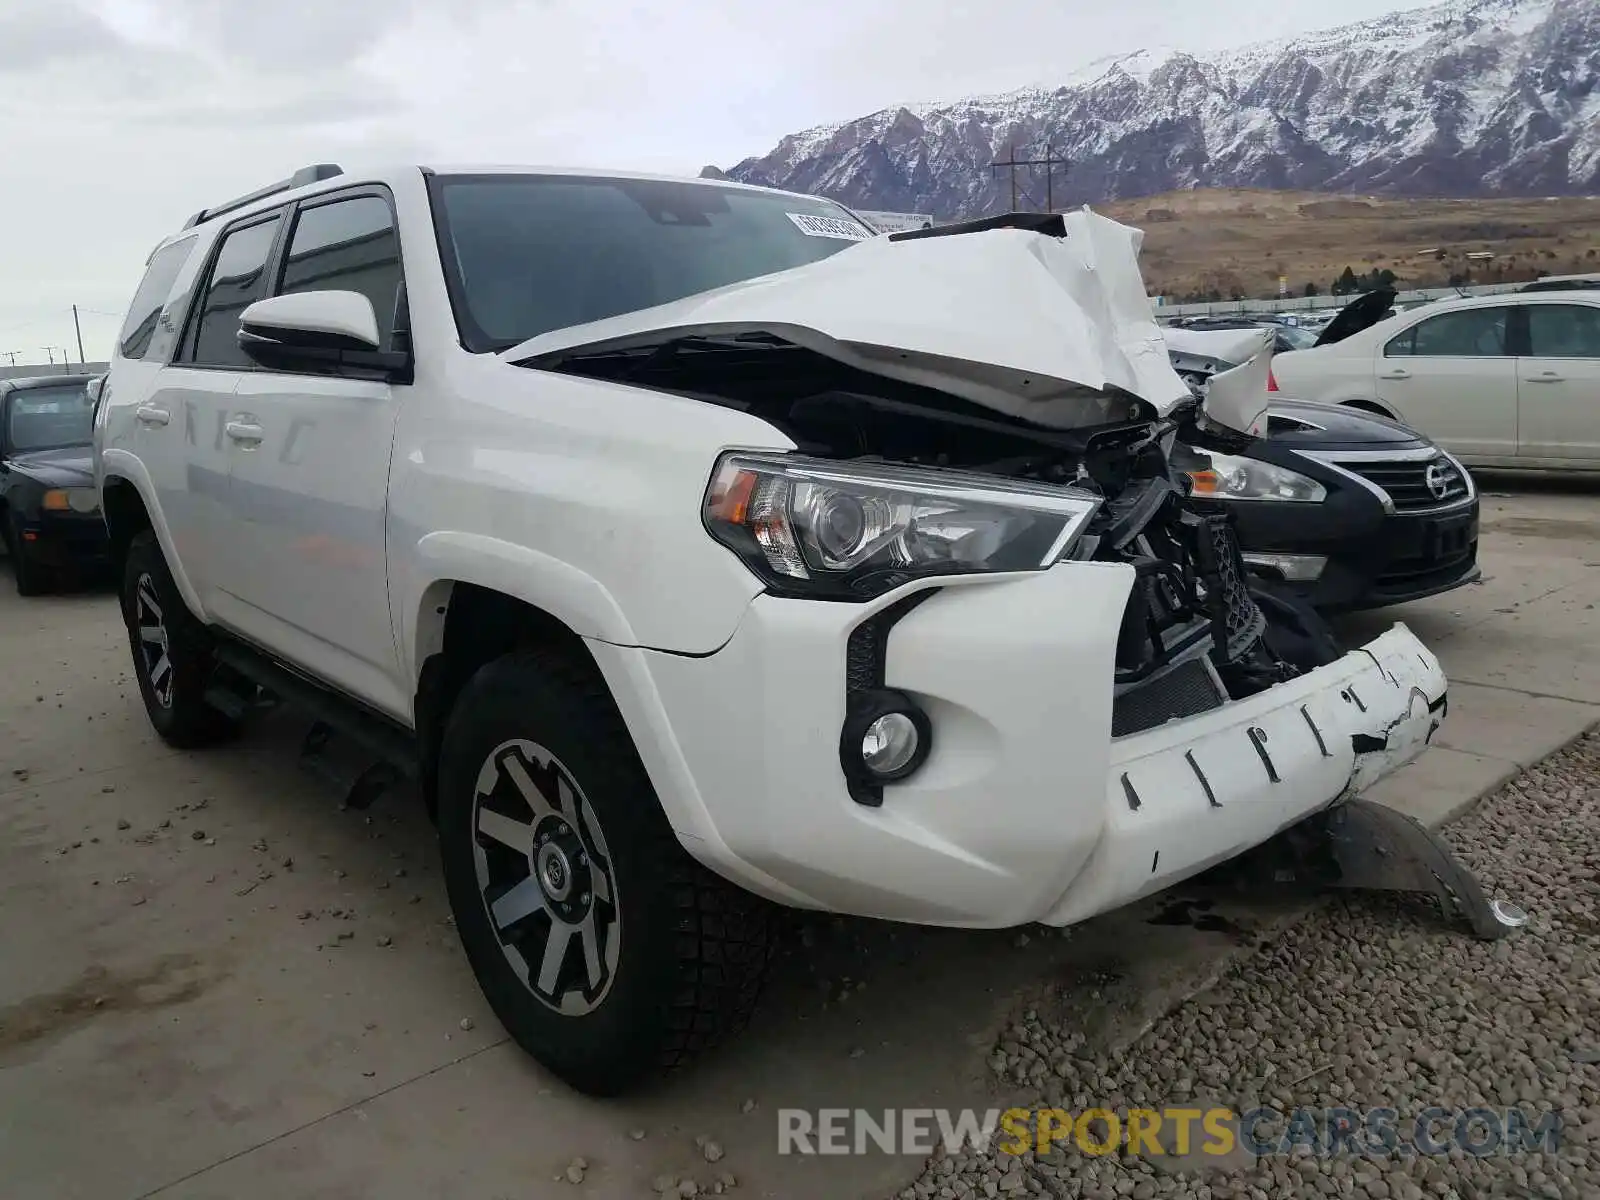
(1438, 480)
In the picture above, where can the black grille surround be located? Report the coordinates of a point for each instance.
(866, 655)
(1186, 690)
(1412, 484)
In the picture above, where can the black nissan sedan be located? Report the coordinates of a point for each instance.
(1346, 509)
(49, 509)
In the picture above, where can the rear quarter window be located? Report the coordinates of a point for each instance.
(150, 301)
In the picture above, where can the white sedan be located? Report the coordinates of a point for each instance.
(1499, 381)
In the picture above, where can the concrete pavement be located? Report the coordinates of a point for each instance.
(213, 983)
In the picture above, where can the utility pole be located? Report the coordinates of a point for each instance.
(12, 355)
(78, 329)
(50, 353)
(1049, 162)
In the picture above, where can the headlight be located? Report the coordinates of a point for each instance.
(853, 531)
(1229, 477)
(79, 500)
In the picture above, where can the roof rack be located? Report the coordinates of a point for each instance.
(304, 176)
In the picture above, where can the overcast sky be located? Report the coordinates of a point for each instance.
(118, 118)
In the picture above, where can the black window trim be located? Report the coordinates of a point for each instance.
(400, 334)
(277, 261)
(203, 284)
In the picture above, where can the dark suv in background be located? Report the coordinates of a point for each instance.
(49, 509)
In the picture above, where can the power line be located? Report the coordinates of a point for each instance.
(1049, 162)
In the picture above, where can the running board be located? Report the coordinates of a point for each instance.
(382, 738)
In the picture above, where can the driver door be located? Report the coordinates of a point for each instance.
(309, 473)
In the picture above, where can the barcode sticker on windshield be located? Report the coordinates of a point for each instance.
(830, 227)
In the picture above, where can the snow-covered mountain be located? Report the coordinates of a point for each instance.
(1467, 97)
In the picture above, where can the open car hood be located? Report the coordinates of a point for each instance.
(1043, 326)
(1361, 313)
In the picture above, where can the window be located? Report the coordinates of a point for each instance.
(350, 246)
(49, 418)
(238, 280)
(1563, 331)
(525, 254)
(151, 298)
(1470, 333)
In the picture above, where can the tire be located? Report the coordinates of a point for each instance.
(31, 578)
(162, 630)
(658, 959)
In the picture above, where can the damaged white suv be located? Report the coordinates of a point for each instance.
(696, 548)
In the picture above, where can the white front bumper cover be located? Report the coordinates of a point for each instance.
(1027, 809)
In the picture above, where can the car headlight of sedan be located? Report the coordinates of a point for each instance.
(851, 531)
(78, 500)
(1230, 477)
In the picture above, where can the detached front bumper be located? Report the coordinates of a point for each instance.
(1026, 809)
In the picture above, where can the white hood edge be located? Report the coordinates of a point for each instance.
(1033, 326)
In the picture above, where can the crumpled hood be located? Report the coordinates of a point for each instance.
(1034, 326)
(1228, 346)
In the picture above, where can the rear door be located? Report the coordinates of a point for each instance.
(309, 471)
(1452, 376)
(1558, 383)
(181, 422)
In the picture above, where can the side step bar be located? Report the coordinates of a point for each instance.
(381, 737)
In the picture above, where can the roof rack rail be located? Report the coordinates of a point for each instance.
(305, 175)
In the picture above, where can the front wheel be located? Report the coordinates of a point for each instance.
(606, 952)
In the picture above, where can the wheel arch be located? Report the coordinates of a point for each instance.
(462, 626)
(127, 502)
(1372, 406)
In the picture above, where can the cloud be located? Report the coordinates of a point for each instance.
(121, 117)
(33, 35)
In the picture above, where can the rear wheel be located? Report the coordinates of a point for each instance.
(172, 654)
(604, 949)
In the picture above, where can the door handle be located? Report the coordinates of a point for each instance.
(243, 431)
(1397, 373)
(149, 414)
(1542, 377)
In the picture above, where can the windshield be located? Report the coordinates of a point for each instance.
(525, 254)
(1295, 338)
(49, 418)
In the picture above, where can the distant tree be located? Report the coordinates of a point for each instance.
(1346, 284)
(1313, 290)
(1591, 253)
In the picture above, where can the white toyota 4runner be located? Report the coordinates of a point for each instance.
(696, 549)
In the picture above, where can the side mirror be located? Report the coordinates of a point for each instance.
(327, 332)
(1236, 400)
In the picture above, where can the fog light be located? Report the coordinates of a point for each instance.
(886, 737)
(890, 743)
(1291, 568)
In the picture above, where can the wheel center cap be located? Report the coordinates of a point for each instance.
(554, 871)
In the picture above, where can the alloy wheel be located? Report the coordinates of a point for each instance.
(154, 646)
(546, 877)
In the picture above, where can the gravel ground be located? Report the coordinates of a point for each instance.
(1369, 1002)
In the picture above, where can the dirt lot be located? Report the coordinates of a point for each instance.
(215, 983)
(1217, 238)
